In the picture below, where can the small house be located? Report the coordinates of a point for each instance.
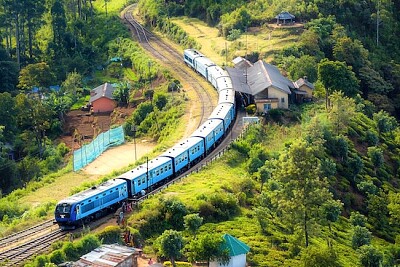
(285, 18)
(237, 252)
(109, 256)
(101, 98)
(303, 90)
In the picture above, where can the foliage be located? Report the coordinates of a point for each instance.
(218, 207)
(301, 189)
(315, 256)
(170, 245)
(370, 256)
(357, 219)
(361, 236)
(208, 247)
(192, 223)
(110, 235)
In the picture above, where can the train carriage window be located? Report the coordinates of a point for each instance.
(143, 181)
(139, 182)
(170, 166)
(104, 194)
(162, 170)
(166, 168)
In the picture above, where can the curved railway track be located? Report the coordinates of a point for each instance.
(173, 59)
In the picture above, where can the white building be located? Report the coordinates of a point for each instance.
(237, 252)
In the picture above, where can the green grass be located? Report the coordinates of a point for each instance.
(265, 40)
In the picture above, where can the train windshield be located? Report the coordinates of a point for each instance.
(63, 208)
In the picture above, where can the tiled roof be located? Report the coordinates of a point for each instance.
(104, 90)
(235, 246)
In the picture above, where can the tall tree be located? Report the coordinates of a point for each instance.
(342, 111)
(35, 75)
(336, 76)
(302, 189)
(170, 245)
(208, 247)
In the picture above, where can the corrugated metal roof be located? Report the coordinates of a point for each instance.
(104, 90)
(238, 78)
(235, 246)
(106, 255)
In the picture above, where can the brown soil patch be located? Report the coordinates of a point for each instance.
(82, 126)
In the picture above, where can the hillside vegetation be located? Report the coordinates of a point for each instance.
(316, 185)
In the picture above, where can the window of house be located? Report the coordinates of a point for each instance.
(283, 100)
(267, 107)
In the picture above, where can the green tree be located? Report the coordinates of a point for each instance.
(174, 210)
(316, 256)
(384, 122)
(208, 247)
(361, 236)
(357, 219)
(352, 52)
(302, 189)
(342, 111)
(192, 223)
(305, 66)
(170, 245)
(336, 76)
(35, 75)
(370, 256)
(264, 174)
(376, 156)
(72, 84)
(394, 208)
(8, 76)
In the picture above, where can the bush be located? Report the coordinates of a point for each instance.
(57, 257)
(177, 264)
(110, 235)
(219, 207)
(361, 236)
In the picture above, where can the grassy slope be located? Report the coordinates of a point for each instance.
(265, 40)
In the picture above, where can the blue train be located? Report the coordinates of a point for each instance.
(97, 201)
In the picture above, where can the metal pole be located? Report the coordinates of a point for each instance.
(147, 173)
(133, 129)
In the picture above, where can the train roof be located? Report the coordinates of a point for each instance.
(174, 151)
(224, 83)
(206, 128)
(205, 61)
(193, 53)
(182, 146)
(220, 111)
(218, 71)
(226, 96)
(142, 169)
(88, 193)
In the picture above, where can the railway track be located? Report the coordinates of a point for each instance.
(32, 244)
(23, 235)
(172, 59)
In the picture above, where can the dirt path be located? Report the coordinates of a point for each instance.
(118, 157)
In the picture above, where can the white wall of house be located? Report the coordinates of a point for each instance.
(235, 261)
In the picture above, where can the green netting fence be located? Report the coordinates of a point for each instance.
(93, 150)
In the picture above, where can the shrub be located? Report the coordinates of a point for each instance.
(177, 264)
(357, 219)
(110, 235)
(57, 257)
(361, 236)
(219, 207)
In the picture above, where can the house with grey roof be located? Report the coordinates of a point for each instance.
(284, 18)
(264, 85)
(237, 252)
(101, 98)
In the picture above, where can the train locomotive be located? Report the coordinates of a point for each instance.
(94, 202)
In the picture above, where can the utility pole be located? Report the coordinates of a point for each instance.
(147, 173)
(134, 129)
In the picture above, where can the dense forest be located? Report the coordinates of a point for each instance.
(327, 195)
